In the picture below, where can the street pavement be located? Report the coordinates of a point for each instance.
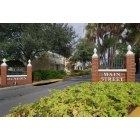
(137, 77)
(13, 96)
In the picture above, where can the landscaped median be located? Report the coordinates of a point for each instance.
(45, 82)
(102, 99)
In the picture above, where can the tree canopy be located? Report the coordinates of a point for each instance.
(112, 38)
(125, 33)
(26, 41)
(83, 51)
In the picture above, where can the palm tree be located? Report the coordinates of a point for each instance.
(106, 37)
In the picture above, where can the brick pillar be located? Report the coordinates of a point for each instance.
(4, 73)
(130, 65)
(95, 67)
(29, 72)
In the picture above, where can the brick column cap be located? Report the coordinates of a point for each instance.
(29, 63)
(129, 52)
(4, 62)
(95, 55)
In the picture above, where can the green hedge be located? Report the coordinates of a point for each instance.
(80, 72)
(47, 74)
(85, 100)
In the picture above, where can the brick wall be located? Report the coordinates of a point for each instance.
(8, 80)
(95, 66)
(29, 74)
(16, 80)
(130, 66)
(3, 74)
(114, 75)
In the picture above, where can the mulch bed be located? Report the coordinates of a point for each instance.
(131, 108)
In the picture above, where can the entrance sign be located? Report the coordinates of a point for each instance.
(8, 80)
(114, 75)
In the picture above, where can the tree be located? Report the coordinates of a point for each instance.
(112, 37)
(61, 39)
(27, 41)
(105, 37)
(133, 37)
(83, 51)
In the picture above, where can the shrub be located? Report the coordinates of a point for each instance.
(80, 72)
(47, 74)
(85, 100)
(36, 75)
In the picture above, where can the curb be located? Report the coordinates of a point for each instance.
(44, 82)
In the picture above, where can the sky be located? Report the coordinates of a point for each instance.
(79, 28)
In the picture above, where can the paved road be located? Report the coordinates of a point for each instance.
(10, 97)
(137, 77)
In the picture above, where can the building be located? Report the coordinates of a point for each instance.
(49, 61)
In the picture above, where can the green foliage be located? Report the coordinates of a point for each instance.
(112, 37)
(83, 51)
(85, 100)
(80, 72)
(47, 74)
(24, 41)
(15, 63)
